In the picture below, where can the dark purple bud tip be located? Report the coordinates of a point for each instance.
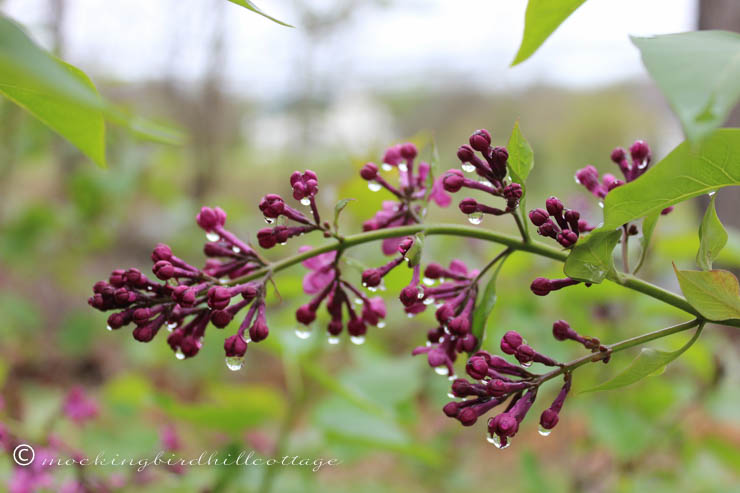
(335, 327)
(567, 238)
(272, 205)
(453, 181)
(266, 238)
(305, 315)
(459, 325)
(144, 333)
(369, 171)
(164, 270)
(618, 155)
(468, 206)
(467, 416)
(477, 367)
(259, 330)
(405, 245)
(409, 151)
(510, 341)
(554, 206)
(371, 278)
(460, 387)
(465, 154)
(209, 218)
(235, 346)
(561, 330)
(500, 155)
(507, 425)
(639, 151)
(549, 419)
(541, 286)
(444, 313)
(161, 252)
(513, 192)
(433, 271)
(221, 318)
(218, 297)
(480, 140)
(524, 354)
(451, 409)
(436, 357)
(356, 327)
(409, 295)
(538, 216)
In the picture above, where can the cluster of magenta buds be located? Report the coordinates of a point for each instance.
(496, 381)
(186, 299)
(411, 196)
(492, 171)
(305, 187)
(639, 161)
(325, 282)
(555, 221)
(455, 297)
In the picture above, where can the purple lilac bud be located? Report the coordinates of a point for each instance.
(480, 140)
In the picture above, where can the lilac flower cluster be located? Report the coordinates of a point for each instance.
(496, 381)
(411, 195)
(492, 171)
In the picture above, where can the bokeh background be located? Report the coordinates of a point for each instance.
(257, 101)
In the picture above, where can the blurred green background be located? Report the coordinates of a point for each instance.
(65, 224)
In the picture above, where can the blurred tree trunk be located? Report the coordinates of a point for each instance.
(725, 15)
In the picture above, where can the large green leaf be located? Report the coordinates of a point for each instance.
(485, 305)
(520, 163)
(648, 362)
(540, 21)
(62, 96)
(715, 293)
(81, 125)
(247, 4)
(712, 237)
(698, 73)
(683, 174)
(591, 259)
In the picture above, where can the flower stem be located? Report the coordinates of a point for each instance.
(511, 242)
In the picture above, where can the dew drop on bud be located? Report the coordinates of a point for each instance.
(601, 204)
(485, 182)
(236, 249)
(234, 363)
(526, 365)
(441, 370)
(452, 377)
(428, 282)
(410, 315)
(374, 187)
(475, 218)
(429, 301)
(370, 288)
(358, 340)
(179, 354)
(108, 327)
(381, 324)
(333, 340)
(148, 288)
(283, 243)
(386, 167)
(468, 167)
(491, 440)
(358, 301)
(171, 326)
(420, 292)
(544, 431)
(269, 220)
(451, 395)
(212, 236)
(305, 201)
(302, 333)
(403, 167)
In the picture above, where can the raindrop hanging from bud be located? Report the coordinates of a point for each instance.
(211, 236)
(234, 363)
(358, 340)
(468, 167)
(475, 218)
(544, 431)
(374, 187)
(305, 201)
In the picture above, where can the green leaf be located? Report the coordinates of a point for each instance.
(82, 126)
(485, 305)
(648, 226)
(650, 362)
(247, 4)
(698, 73)
(712, 237)
(540, 21)
(715, 293)
(591, 259)
(338, 210)
(683, 174)
(521, 162)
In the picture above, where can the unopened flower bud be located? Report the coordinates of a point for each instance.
(480, 140)
(541, 286)
(468, 206)
(369, 171)
(235, 346)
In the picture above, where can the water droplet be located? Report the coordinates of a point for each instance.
(358, 301)
(358, 340)
(403, 167)
(179, 354)
(475, 218)
(371, 288)
(601, 204)
(305, 201)
(711, 194)
(234, 363)
(526, 365)
(246, 338)
(429, 344)
(283, 243)
(302, 333)
(441, 370)
(468, 167)
(410, 315)
(386, 167)
(544, 431)
(452, 377)
(420, 291)
(148, 288)
(577, 180)
(374, 187)
(269, 220)
(108, 327)
(171, 326)
(382, 286)
(212, 236)
(451, 395)
(333, 340)
(485, 182)
(380, 324)
(429, 301)
(236, 249)
(491, 440)
(642, 164)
